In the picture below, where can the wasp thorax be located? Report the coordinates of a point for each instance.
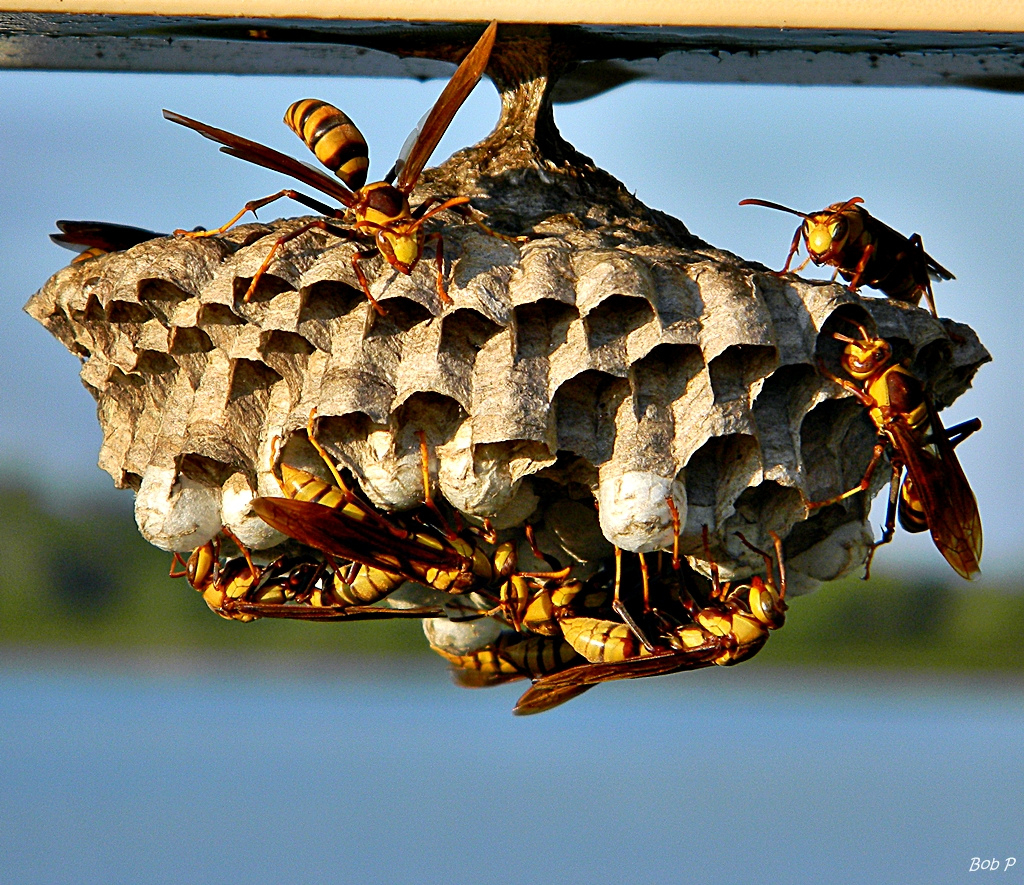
(385, 200)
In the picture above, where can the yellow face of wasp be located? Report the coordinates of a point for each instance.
(199, 570)
(766, 605)
(862, 359)
(825, 235)
(405, 247)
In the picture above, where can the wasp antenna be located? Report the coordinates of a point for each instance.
(770, 205)
(782, 564)
(846, 339)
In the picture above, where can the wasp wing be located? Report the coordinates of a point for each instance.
(330, 612)
(935, 270)
(468, 678)
(946, 497)
(329, 530)
(81, 235)
(550, 691)
(261, 155)
(447, 105)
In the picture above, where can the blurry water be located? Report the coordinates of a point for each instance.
(122, 773)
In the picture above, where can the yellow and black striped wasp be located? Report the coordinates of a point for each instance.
(864, 250)
(393, 548)
(94, 238)
(732, 626)
(297, 587)
(379, 211)
(935, 494)
(509, 657)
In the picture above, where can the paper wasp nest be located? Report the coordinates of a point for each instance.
(611, 358)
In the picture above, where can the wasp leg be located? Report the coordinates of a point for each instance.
(428, 498)
(918, 244)
(424, 211)
(253, 569)
(865, 399)
(476, 217)
(362, 256)
(854, 283)
(803, 264)
(677, 529)
(862, 486)
(438, 242)
(890, 517)
(634, 627)
(176, 560)
(960, 432)
(645, 577)
(767, 559)
(253, 205)
(319, 224)
(322, 452)
(793, 247)
(717, 590)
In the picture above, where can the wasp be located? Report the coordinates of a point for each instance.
(864, 251)
(733, 626)
(510, 657)
(379, 211)
(92, 239)
(331, 518)
(935, 494)
(294, 587)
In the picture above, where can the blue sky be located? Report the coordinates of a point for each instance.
(944, 163)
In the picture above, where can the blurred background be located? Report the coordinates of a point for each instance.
(878, 735)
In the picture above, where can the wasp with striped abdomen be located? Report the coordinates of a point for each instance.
(935, 494)
(509, 657)
(864, 251)
(379, 211)
(420, 547)
(297, 587)
(732, 626)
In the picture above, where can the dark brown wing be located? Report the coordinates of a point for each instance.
(330, 612)
(935, 270)
(329, 530)
(81, 235)
(550, 691)
(469, 678)
(445, 108)
(945, 494)
(267, 157)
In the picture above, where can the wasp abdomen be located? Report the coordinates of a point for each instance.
(333, 137)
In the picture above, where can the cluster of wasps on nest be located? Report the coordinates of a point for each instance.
(637, 615)
(646, 616)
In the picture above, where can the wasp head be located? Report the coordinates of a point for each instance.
(826, 233)
(199, 571)
(864, 357)
(766, 604)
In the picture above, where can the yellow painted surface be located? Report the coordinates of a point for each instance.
(984, 15)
